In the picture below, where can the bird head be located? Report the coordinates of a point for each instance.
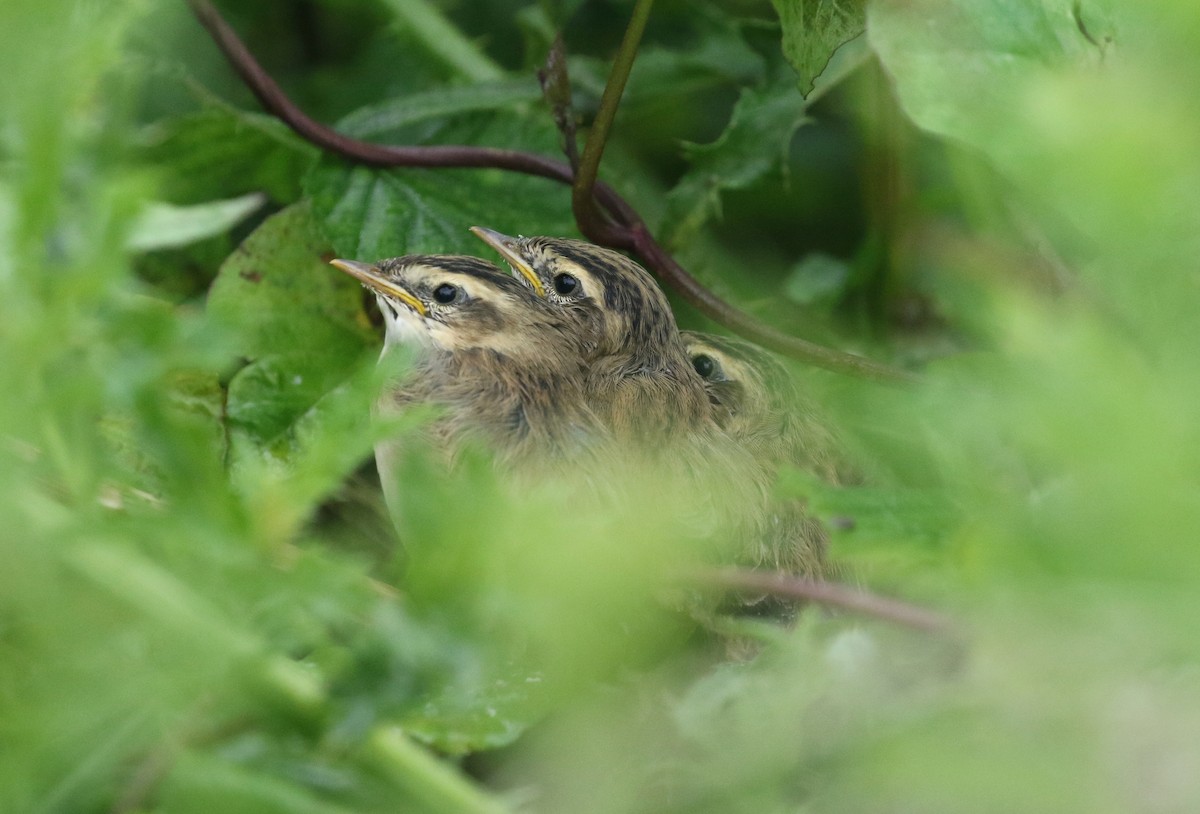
(756, 401)
(745, 385)
(457, 304)
(615, 302)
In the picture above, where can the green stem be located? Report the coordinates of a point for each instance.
(427, 779)
(582, 201)
(444, 40)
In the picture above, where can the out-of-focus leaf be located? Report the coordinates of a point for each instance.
(476, 711)
(163, 226)
(1105, 169)
(198, 393)
(372, 214)
(892, 539)
(719, 55)
(455, 695)
(429, 25)
(961, 67)
(814, 29)
(755, 142)
(815, 278)
(198, 784)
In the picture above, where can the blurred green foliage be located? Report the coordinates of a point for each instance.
(203, 606)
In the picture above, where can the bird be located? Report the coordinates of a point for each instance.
(639, 378)
(756, 401)
(503, 366)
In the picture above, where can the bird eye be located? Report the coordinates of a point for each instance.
(565, 283)
(704, 365)
(445, 293)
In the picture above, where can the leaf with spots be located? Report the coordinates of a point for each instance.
(297, 324)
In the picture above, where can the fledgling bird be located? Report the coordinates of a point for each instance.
(504, 365)
(639, 379)
(756, 401)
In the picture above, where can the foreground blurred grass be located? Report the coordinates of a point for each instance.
(182, 629)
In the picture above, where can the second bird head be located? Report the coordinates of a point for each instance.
(617, 306)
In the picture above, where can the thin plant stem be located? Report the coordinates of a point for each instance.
(591, 221)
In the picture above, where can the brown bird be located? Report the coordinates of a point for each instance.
(504, 366)
(756, 401)
(639, 378)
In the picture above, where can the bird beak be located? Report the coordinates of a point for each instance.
(507, 246)
(373, 278)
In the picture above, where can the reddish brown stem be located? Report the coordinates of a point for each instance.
(626, 230)
(744, 580)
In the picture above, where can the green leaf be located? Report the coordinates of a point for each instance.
(961, 67)
(431, 784)
(754, 143)
(370, 214)
(848, 58)
(813, 30)
(163, 225)
(883, 518)
(280, 295)
(328, 440)
(221, 151)
(386, 118)
(296, 319)
(270, 394)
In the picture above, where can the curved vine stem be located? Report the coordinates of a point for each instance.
(626, 229)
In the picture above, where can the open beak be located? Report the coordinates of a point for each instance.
(372, 278)
(507, 246)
